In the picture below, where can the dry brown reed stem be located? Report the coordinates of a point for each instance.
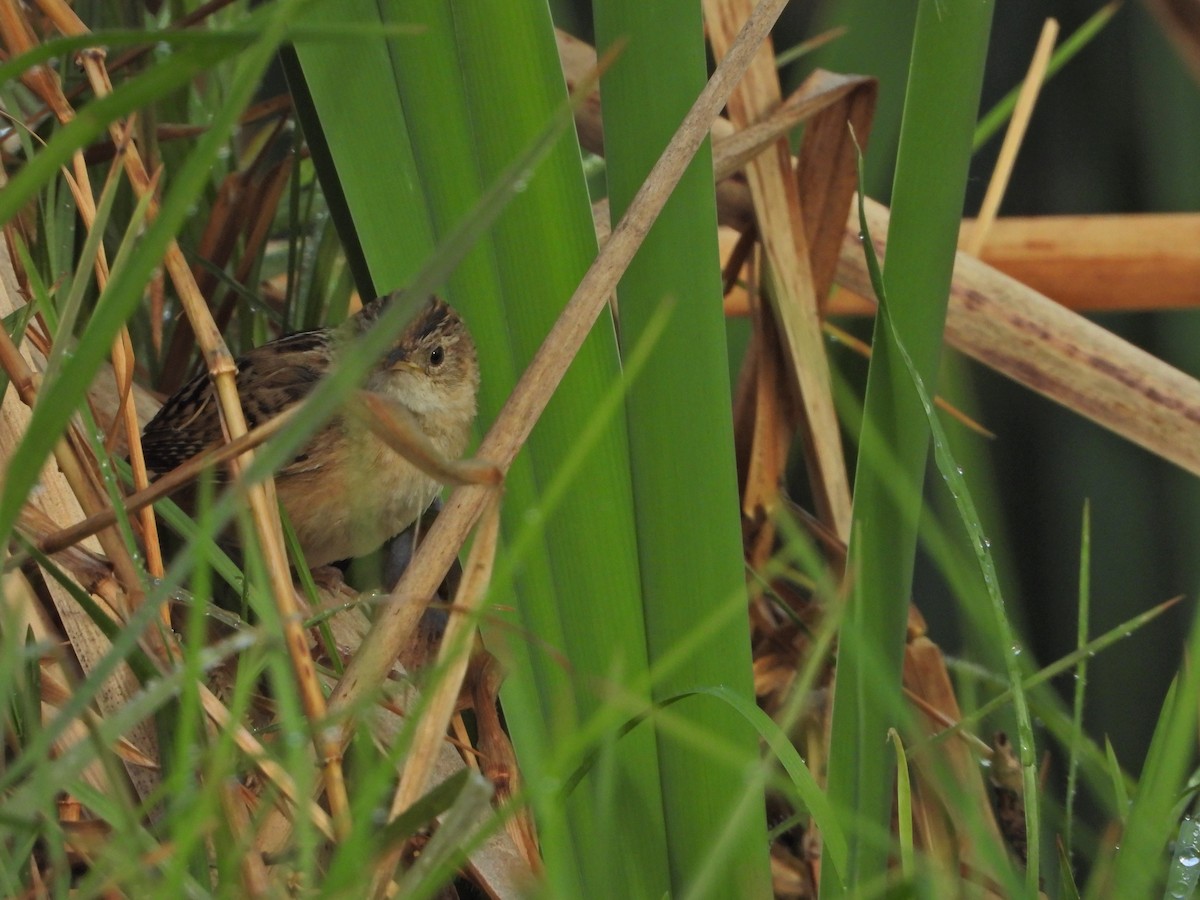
(257, 753)
(1013, 136)
(454, 655)
(255, 881)
(1020, 333)
(1142, 262)
(263, 505)
(1107, 263)
(168, 483)
(776, 194)
(398, 617)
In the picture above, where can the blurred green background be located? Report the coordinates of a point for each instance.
(1117, 131)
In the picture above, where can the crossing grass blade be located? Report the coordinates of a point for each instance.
(945, 75)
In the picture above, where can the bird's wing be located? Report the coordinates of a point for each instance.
(270, 378)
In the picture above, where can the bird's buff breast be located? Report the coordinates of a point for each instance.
(371, 498)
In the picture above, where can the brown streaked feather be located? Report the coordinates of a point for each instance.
(270, 378)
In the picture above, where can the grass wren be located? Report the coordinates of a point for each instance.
(346, 491)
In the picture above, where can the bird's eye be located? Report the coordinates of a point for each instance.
(437, 356)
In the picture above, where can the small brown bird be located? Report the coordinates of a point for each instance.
(346, 491)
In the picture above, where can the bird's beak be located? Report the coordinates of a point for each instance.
(397, 360)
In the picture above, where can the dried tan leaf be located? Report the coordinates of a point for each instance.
(1038, 343)
(925, 676)
(827, 165)
(795, 304)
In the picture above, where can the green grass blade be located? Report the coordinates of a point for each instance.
(681, 452)
(1154, 811)
(1083, 652)
(953, 476)
(903, 807)
(1068, 889)
(1081, 637)
(1185, 866)
(941, 103)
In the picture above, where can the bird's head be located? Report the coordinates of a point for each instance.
(432, 368)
